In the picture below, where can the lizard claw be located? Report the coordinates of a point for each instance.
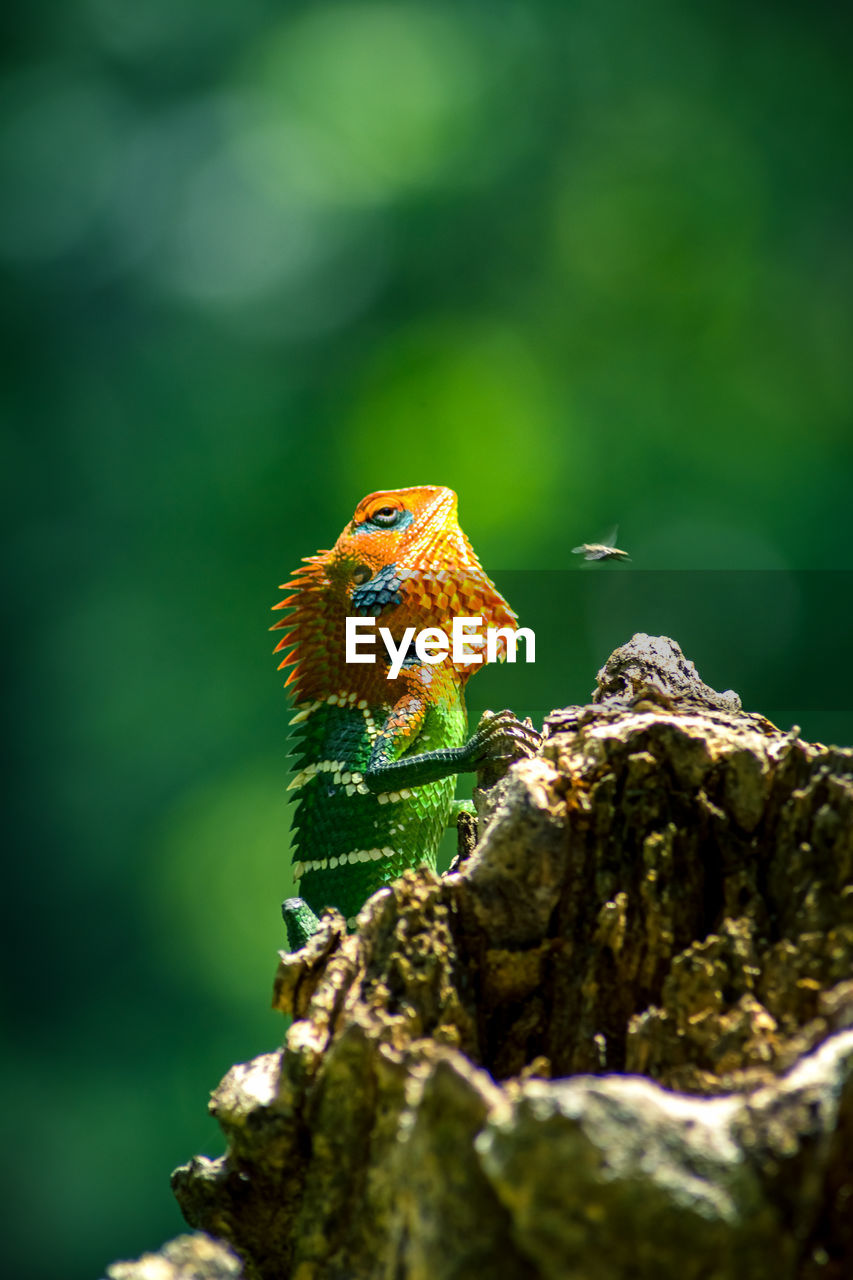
(500, 739)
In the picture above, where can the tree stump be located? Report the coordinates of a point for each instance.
(616, 1040)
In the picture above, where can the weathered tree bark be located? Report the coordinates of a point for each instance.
(190, 1257)
(616, 1040)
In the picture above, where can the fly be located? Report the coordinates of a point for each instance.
(604, 550)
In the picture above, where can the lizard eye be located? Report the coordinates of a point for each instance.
(360, 574)
(387, 517)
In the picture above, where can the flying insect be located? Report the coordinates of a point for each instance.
(604, 550)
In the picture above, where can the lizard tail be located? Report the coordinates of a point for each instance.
(300, 920)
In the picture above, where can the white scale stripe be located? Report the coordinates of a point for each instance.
(336, 767)
(351, 780)
(393, 797)
(331, 864)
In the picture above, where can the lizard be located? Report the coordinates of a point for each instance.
(376, 757)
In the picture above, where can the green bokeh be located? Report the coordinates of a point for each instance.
(584, 263)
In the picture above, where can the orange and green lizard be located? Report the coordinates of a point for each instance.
(376, 758)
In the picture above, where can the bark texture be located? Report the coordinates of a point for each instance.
(616, 1040)
(191, 1257)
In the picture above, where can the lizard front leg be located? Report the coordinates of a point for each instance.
(498, 739)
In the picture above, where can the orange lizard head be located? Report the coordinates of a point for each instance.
(402, 559)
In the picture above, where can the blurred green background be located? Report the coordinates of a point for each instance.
(583, 262)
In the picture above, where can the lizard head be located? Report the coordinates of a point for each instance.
(403, 559)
